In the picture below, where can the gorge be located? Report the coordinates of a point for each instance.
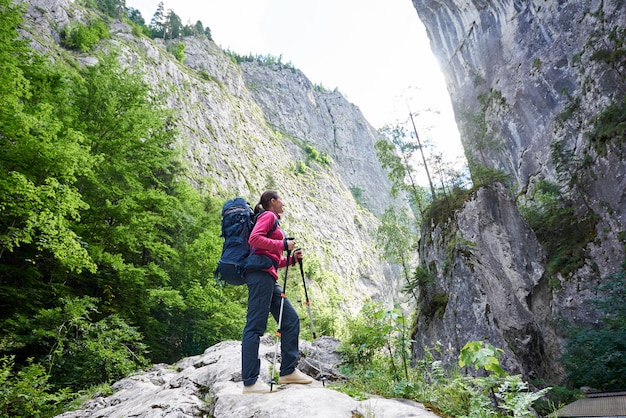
(538, 93)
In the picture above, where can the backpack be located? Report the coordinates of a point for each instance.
(238, 219)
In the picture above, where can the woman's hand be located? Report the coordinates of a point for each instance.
(289, 244)
(296, 257)
(298, 254)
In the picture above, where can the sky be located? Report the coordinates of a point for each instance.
(375, 52)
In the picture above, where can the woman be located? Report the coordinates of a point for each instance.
(264, 296)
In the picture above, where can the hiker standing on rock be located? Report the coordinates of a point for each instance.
(264, 297)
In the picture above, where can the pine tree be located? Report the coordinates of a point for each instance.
(157, 24)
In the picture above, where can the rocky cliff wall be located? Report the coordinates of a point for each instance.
(528, 80)
(524, 76)
(309, 115)
(490, 286)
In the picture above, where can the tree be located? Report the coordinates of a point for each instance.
(106, 251)
(135, 16)
(395, 237)
(395, 154)
(113, 8)
(39, 166)
(199, 27)
(421, 148)
(157, 24)
(173, 25)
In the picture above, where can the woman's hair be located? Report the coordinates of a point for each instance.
(265, 200)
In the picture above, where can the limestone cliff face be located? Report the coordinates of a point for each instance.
(527, 80)
(243, 136)
(308, 115)
(490, 286)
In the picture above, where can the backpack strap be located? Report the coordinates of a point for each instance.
(276, 222)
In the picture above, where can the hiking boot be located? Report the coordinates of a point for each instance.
(296, 377)
(257, 387)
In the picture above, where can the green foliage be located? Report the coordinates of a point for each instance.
(482, 355)
(434, 304)
(107, 252)
(79, 351)
(267, 60)
(173, 27)
(168, 25)
(507, 396)
(613, 52)
(178, 50)
(485, 176)
(570, 110)
(443, 209)
(13, 53)
(395, 153)
(596, 355)
(27, 393)
(376, 331)
(422, 277)
(555, 399)
(357, 194)
(536, 64)
(300, 167)
(395, 237)
(609, 129)
(112, 8)
(84, 38)
(373, 353)
(559, 227)
(314, 155)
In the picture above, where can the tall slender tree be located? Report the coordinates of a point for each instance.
(395, 153)
(157, 23)
(421, 149)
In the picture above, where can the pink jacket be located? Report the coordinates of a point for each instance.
(273, 245)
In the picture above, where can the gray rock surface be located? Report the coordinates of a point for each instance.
(524, 76)
(310, 115)
(489, 286)
(209, 385)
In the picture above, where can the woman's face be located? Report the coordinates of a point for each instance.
(276, 205)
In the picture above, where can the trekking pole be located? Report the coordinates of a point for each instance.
(308, 306)
(280, 319)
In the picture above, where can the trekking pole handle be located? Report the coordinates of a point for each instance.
(286, 243)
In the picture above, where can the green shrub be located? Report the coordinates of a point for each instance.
(357, 194)
(27, 393)
(84, 38)
(314, 155)
(82, 351)
(609, 129)
(178, 50)
(561, 230)
(374, 352)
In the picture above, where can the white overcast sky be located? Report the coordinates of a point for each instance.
(375, 52)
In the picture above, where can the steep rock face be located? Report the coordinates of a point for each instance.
(488, 268)
(233, 150)
(527, 79)
(309, 115)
